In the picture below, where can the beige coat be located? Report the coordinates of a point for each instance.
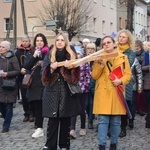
(106, 100)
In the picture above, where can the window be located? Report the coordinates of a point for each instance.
(94, 25)
(120, 23)
(103, 27)
(111, 4)
(7, 1)
(103, 2)
(111, 27)
(87, 23)
(6, 22)
(126, 23)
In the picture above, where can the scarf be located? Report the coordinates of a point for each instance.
(123, 48)
(44, 50)
(25, 48)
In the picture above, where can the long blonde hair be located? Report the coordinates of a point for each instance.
(130, 38)
(67, 47)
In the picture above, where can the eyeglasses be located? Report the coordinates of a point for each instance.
(106, 43)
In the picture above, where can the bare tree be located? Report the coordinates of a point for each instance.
(68, 14)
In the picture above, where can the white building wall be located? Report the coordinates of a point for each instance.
(140, 21)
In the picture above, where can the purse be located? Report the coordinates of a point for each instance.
(8, 84)
(27, 79)
(74, 88)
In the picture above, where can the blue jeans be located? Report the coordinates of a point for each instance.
(7, 113)
(113, 123)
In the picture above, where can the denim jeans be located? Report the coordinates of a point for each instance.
(113, 123)
(7, 113)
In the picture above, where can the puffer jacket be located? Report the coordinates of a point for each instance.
(129, 87)
(137, 75)
(9, 64)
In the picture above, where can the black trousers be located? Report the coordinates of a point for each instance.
(37, 111)
(25, 103)
(124, 118)
(63, 126)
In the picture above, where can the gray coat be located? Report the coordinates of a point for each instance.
(9, 64)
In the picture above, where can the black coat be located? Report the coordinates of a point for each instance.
(57, 101)
(36, 89)
(10, 65)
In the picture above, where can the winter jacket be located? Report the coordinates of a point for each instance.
(57, 101)
(137, 75)
(129, 87)
(36, 89)
(146, 72)
(21, 53)
(9, 64)
(106, 100)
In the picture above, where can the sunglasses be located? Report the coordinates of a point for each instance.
(106, 43)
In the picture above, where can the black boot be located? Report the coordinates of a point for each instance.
(131, 124)
(101, 147)
(123, 132)
(113, 147)
(90, 125)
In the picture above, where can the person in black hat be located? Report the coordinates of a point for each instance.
(98, 44)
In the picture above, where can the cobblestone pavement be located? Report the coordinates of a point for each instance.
(19, 136)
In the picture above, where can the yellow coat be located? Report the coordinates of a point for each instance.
(106, 100)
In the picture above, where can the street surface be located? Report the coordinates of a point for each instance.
(19, 136)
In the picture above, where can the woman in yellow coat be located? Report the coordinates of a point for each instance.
(106, 100)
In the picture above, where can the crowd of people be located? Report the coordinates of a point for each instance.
(114, 89)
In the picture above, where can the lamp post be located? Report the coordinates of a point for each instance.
(33, 30)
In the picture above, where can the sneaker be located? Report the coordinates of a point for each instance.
(72, 134)
(45, 148)
(38, 133)
(82, 132)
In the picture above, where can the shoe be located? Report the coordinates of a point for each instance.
(5, 130)
(82, 132)
(131, 124)
(38, 133)
(113, 147)
(90, 125)
(101, 147)
(45, 148)
(96, 129)
(26, 118)
(73, 134)
(142, 113)
(122, 133)
(31, 118)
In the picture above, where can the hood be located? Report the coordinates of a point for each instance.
(8, 55)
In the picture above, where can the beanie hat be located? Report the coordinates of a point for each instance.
(98, 42)
(6, 44)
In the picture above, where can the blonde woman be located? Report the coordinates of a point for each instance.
(58, 105)
(125, 45)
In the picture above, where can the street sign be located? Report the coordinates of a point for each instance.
(50, 25)
(143, 32)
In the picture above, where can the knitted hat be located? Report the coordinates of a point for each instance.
(6, 44)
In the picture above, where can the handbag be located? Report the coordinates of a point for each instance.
(8, 84)
(27, 79)
(74, 88)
